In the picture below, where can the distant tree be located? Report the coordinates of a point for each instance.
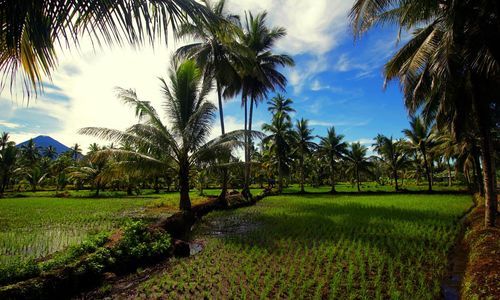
(420, 140)
(358, 160)
(76, 151)
(392, 154)
(333, 148)
(8, 158)
(304, 145)
(280, 141)
(50, 152)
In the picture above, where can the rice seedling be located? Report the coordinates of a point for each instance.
(321, 246)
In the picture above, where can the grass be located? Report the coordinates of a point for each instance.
(319, 246)
(36, 225)
(346, 187)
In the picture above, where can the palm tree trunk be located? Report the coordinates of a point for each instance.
(302, 174)
(248, 146)
(222, 196)
(482, 116)
(449, 171)
(357, 178)
(478, 177)
(185, 201)
(280, 177)
(427, 170)
(245, 181)
(332, 177)
(395, 174)
(221, 110)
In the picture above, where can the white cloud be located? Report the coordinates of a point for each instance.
(9, 124)
(313, 27)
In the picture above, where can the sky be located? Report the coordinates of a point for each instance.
(337, 80)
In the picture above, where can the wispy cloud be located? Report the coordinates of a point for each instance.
(9, 124)
(339, 123)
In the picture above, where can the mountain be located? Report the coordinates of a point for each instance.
(44, 141)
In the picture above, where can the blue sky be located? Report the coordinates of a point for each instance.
(336, 81)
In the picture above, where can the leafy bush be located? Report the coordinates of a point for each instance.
(141, 242)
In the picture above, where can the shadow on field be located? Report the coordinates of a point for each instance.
(393, 230)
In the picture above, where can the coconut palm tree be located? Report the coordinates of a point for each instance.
(449, 69)
(216, 51)
(392, 154)
(280, 142)
(259, 75)
(421, 141)
(356, 155)
(303, 146)
(8, 158)
(33, 30)
(50, 152)
(333, 148)
(180, 146)
(76, 151)
(30, 153)
(278, 104)
(95, 169)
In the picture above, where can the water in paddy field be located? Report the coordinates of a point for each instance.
(450, 288)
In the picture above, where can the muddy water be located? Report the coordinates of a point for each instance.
(450, 287)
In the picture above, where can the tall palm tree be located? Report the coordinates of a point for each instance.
(260, 73)
(280, 104)
(180, 146)
(216, 51)
(449, 69)
(356, 155)
(392, 154)
(420, 139)
(333, 148)
(32, 30)
(280, 142)
(8, 158)
(303, 146)
(76, 151)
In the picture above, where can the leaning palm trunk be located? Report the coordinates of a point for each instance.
(222, 196)
(488, 164)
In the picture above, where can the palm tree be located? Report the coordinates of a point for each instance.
(280, 142)
(30, 153)
(393, 155)
(259, 75)
(95, 169)
(217, 52)
(8, 158)
(420, 139)
(50, 152)
(356, 155)
(448, 69)
(32, 30)
(183, 145)
(76, 151)
(333, 148)
(303, 146)
(278, 104)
